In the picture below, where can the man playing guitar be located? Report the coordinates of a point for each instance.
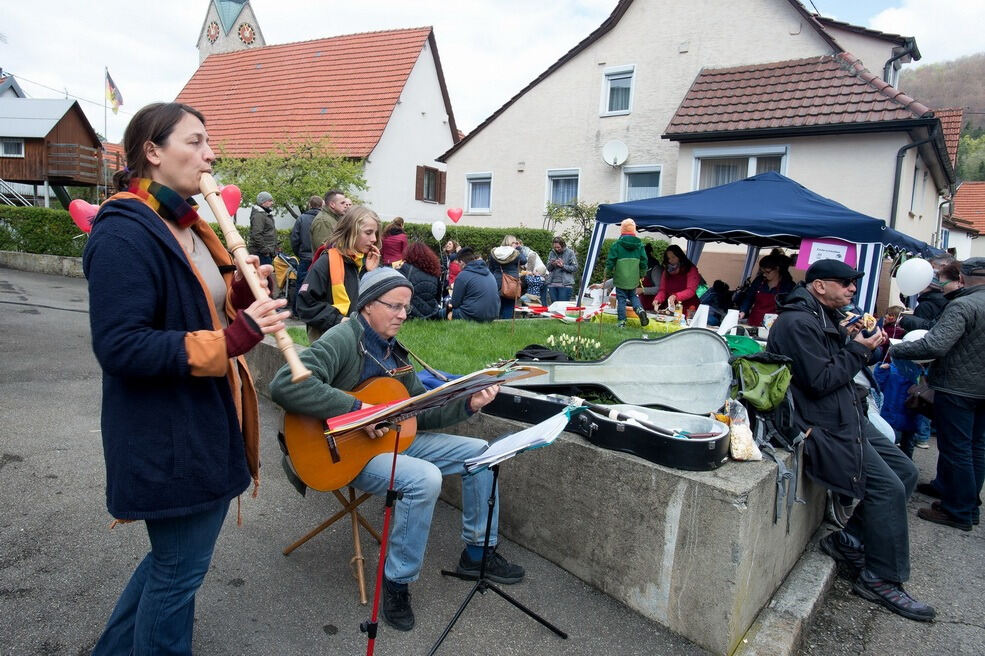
(365, 347)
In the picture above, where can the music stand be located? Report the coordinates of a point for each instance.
(483, 584)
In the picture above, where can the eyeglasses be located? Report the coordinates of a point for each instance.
(396, 307)
(844, 282)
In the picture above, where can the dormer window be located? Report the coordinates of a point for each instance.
(617, 91)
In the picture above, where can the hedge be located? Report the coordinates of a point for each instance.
(52, 232)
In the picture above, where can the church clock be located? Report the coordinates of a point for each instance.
(212, 32)
(246, 33)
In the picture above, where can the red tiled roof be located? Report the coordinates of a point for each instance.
(830, 90)
(969, 204)
(342, 87)
(951, 119)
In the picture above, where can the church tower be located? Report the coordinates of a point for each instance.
(229, 25)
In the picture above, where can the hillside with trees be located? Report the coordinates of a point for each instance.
(957, 83)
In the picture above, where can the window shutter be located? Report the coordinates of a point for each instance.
(441, 187)
(419, 184)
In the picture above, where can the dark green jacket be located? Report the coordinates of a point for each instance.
(626, 262)
(336, 363)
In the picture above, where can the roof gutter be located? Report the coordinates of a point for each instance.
(900, 154)
(909, 48)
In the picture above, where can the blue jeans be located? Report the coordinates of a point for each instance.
(961, 443)
(624, 295)
(559, 293)
(923, 429)
(156, 611)
(420, 469)
(505, 307)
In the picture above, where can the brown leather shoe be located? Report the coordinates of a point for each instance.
(975, 518)
(940, 516)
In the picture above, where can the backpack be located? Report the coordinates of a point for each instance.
(760, 379)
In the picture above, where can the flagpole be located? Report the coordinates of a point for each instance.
(102, 165)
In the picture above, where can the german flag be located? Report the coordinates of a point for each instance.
(113, 94)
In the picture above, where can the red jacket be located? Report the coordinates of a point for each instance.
(394, 245)
(683, 286)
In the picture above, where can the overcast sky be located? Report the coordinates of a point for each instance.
(489, 49)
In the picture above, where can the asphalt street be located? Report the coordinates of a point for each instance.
(62, 567)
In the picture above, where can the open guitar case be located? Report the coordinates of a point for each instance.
(676, 380)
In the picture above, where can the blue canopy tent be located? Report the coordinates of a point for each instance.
(765, 210)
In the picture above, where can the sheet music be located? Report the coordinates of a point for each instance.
(439, 396)
(532, 437)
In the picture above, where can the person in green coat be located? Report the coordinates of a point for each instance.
(627, 264)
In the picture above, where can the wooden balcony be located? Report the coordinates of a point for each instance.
(73, 164)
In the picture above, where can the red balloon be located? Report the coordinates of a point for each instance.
(82, 213)
(231, 197)
(454, 213)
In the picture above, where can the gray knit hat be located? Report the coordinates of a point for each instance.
(263, 197)
(376, 283)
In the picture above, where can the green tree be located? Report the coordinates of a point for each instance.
(971, 157)
(292, 172)
(574, 222)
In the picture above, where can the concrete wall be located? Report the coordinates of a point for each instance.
(873, 52)
(53, 264)
(416, 133)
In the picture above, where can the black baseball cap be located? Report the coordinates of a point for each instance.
(831, 270)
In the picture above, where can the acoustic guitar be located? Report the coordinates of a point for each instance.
(328, 462)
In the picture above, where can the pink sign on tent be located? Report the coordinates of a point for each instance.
(812, 250)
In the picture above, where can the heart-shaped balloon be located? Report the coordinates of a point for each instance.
(454, 213)
(231, 198)
(82, 213)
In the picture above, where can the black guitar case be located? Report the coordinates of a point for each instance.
(699, 362)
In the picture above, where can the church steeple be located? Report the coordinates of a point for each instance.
(229, 25)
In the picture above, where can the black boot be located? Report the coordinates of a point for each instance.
(892, 595)
(395, 609)
(498, 569)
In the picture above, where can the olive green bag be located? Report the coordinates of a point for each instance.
(760, 379)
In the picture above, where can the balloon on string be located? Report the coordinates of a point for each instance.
(454, 213)
(438, 230)
(82, 214)
(231, 198)
(913, 276)
(913, 336)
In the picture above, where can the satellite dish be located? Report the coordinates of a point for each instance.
(615, 153)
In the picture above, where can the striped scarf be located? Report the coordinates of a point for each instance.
(336, 273)
(165, 201)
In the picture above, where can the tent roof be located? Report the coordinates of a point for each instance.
(765, 210)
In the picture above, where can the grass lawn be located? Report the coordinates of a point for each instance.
(461, 347)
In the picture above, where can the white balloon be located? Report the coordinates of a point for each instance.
(914, 335)
(913, 276)
(438, 230)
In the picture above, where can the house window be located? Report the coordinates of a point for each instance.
(945, 236)
(562, 186)
(430, 185)
(617, 91)
(717, 166)
(641, 182)
(11, 148)
(479, 192)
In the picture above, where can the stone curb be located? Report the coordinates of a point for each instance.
(58, 265)
(780, 628)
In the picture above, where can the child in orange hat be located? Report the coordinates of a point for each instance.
(627, 264)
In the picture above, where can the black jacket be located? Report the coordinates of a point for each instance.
(826, 400)
(425, 302)
(301, 234)
(930, 305)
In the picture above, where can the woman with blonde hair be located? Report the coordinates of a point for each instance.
(332, 284)
(506, 260)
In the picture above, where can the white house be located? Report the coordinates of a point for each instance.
(618, 91)
(378, 97)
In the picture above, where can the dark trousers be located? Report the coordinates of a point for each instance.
(880, 519)
(960, 422)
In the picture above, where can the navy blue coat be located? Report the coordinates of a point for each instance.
(171, 440)
(476, 292)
